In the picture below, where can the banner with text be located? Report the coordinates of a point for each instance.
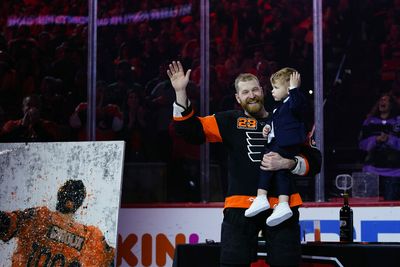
(148, 236)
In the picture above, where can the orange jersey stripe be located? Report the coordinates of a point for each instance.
(237, 201)
(294, 200)
(210, 128)
(184, 117)
(307, 164)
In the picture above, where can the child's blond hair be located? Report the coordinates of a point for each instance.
(282, 75)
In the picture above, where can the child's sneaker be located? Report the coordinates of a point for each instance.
(260, 203)
(281, 213)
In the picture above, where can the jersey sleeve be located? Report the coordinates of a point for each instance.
(312, 160)
(195, 130)
(11, 222)
(297, 100)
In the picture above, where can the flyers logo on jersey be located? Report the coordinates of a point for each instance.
(246, 123)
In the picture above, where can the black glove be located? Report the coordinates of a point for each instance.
(4, 224)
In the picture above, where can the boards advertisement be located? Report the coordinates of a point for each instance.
(147, 236)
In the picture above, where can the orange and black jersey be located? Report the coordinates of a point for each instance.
(243, 140)
(50, 238)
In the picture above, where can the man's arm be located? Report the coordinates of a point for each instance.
(11, 222)
(186, 125)
(179, 81)
(195, 130)
(308, 163)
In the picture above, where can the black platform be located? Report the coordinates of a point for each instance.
(354, 254)
(198, 255)
(328, 253)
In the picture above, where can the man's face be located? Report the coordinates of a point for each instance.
(250, 96)
(68, 206)
(70, 196)
(280, 90)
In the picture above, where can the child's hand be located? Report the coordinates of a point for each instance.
(266, 130)
(294, 80)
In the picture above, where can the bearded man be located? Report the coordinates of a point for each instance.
(241, 133)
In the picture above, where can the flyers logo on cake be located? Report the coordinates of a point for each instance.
(246, 123)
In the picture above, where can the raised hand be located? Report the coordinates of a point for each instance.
(176, 74)
(294, 80)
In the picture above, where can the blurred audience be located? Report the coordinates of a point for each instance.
(31, 127)
(109, 119)
(116, 92)
(134, 95)
(135, 130)
(380, 139)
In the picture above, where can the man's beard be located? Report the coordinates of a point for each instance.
(253, 108)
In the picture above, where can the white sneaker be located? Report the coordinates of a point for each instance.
(281, 213)
(260, 203)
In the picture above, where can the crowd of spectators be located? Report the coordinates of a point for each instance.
(134, 97)
(48, 62)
